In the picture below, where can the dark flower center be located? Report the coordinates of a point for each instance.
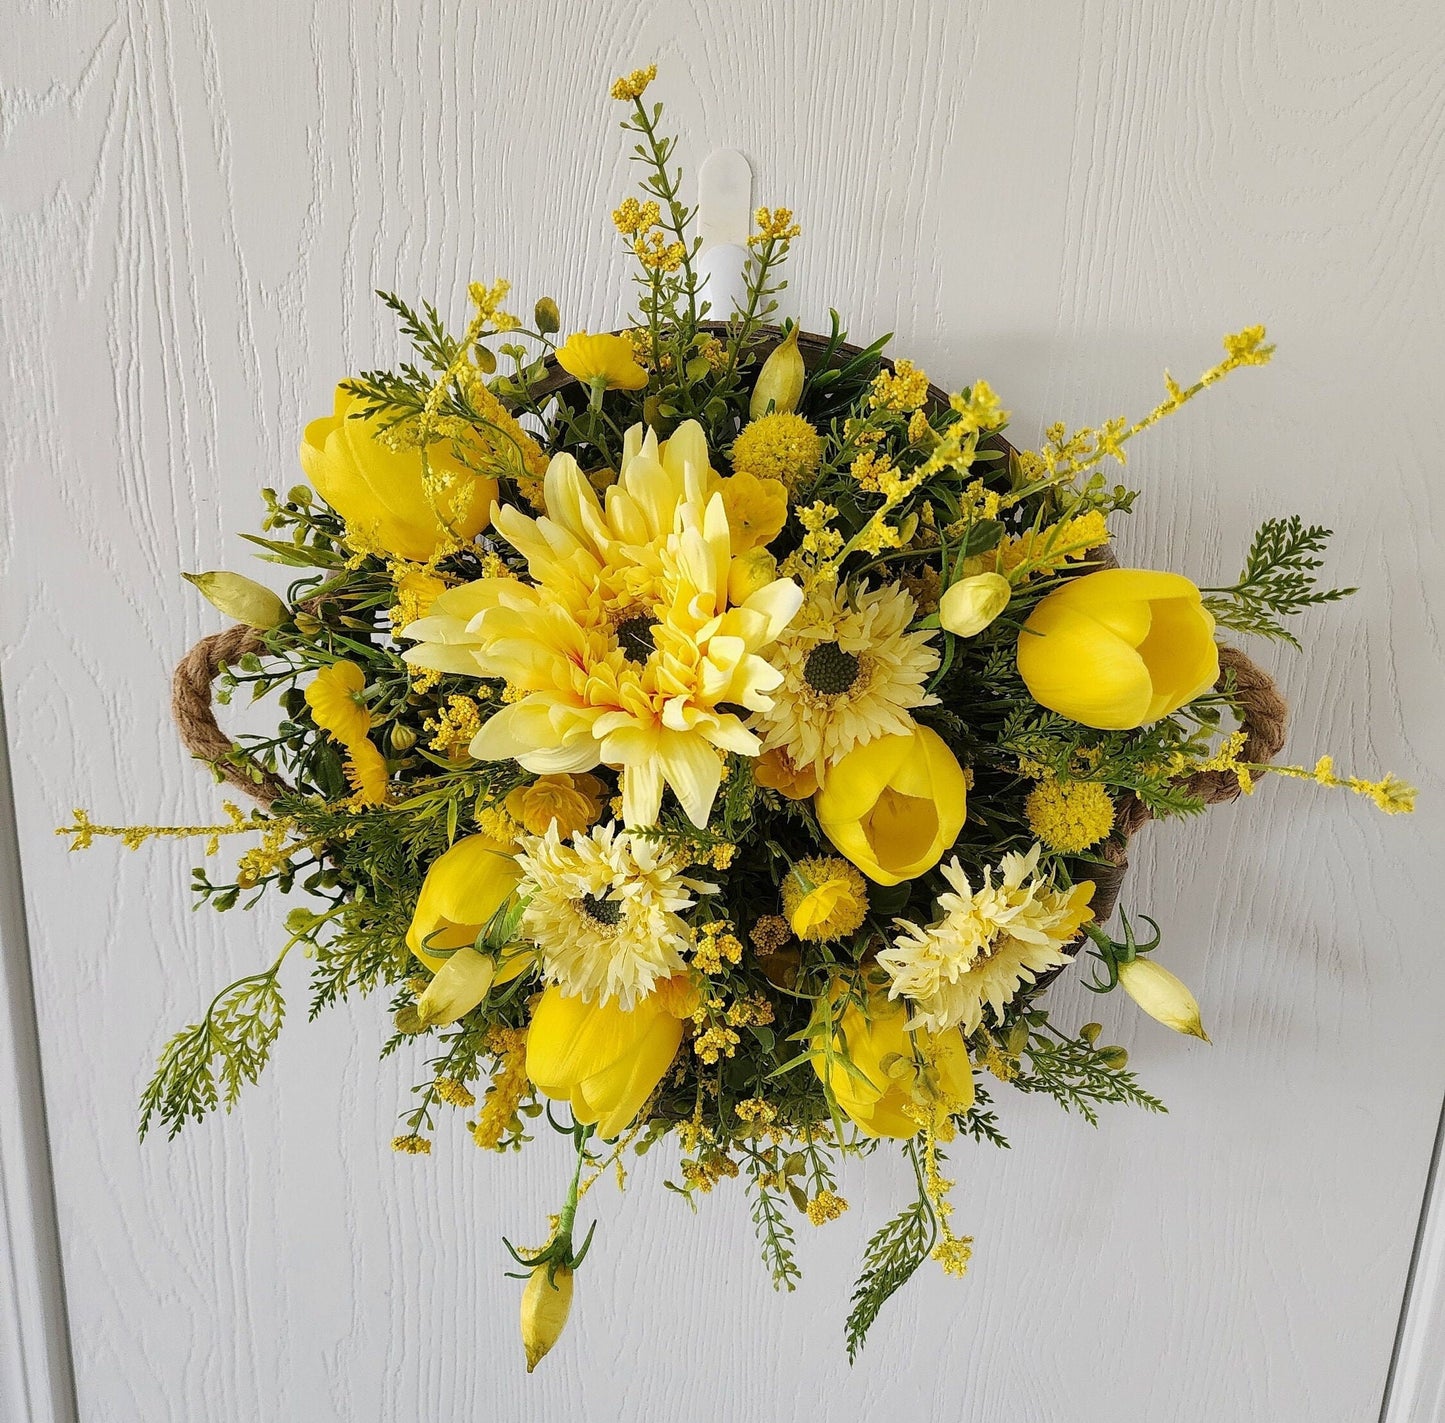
(602, 911)
(830, 670)
(634, 637)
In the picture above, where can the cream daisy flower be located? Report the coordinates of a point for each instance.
(986, 943)
(851, 672)
(605, 912)
(624, 648)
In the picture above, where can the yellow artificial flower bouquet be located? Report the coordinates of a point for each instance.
(715, 733)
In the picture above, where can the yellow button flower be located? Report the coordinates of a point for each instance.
(380, 491)
(603, 1060)
(894, 805)
(1119, 648)
(890, 1072)
(607, 359)
(462, 890)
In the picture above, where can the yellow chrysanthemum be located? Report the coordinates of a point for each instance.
(334, 699)
(985, 944)
(1069, 816)
(852, 672)
(782, 447)
(824, 898)
(604, 911)
(607, 359)
(624, 650)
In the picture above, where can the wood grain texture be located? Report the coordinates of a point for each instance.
(196, 201)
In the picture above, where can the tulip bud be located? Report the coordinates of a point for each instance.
(971, 604)
(749, 573)
(1162, 996)
(241, 598)
(780, 382)
(546, 315)
(545, 1306)
(459, 985)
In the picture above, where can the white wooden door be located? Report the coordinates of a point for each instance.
(196, 201)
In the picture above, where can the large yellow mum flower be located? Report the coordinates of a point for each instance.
(624, 647)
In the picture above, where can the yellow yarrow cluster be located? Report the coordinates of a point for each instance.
(656, 253)
(714, 1043)
(707, 1170)
(454, 727)
(825, 1206)
(774, 225)
(631, 86)
(820, 546)
(633, 217)
(717, 946)
(784, 447)
(901, 390)
(1069, 816)
(454, 1092)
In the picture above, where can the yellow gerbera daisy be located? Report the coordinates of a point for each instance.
(851, 673)
(624, 647)
(985, 944)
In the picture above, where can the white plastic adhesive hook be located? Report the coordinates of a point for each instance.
(724, 216)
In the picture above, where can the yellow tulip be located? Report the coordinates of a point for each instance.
(601, 360)
(971, 604)
(894, 805)
(546, 1303)
(379, 491)
(1119, 648)
(1163, 996)
(603, 1060)
(887, 1079)
(462, 890)
(780, 382)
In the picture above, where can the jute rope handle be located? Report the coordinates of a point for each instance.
(195, 715)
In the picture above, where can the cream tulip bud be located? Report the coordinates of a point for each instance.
(971, 604)
(459, 985)
(1162, 996)
(546, 1302)
(241, 598)
(780, 382)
